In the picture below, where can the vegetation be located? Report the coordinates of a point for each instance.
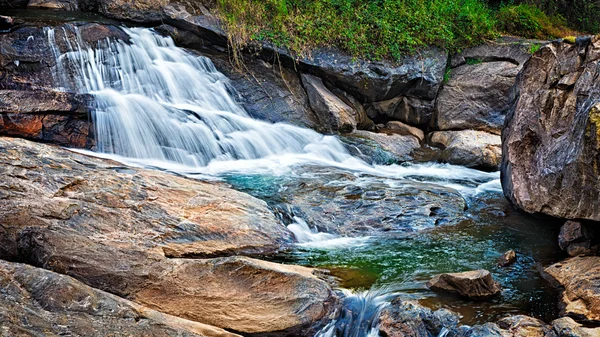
(379, 29)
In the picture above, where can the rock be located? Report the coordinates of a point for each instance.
(579, 277)
(144, 11)
(30, 104)
(340, 203)
(202, 23)
(64, 5)
(37, 302)
(368, 150)
(551, 139)
(475, 97)
(395, 127)
(402, 147)
(13, 3)
(333, 113)
(409, 319)
(507, 258)
(525, 326)
(507, 48)
(567, 327)
(469, 148)
(411, 110)
(476, 284)
(125, 230)
(576, 239)
(6, 22)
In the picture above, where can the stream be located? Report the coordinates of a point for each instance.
(379, 230)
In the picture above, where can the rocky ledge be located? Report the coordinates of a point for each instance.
(125, 231)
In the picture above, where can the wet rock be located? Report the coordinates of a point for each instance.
(65, 5)
(340, 203)
(409, 319)
(368, 150)
(469, 148)
(507, 258)
(567, 327)
(36, 302)
(476, 97)
(402, 147)
(333, 113)
(550, 143)
(395, 127)
(125, 230)
(476, 284)
(579, 277)
(576, 239)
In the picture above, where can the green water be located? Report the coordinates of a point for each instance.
(406, 263)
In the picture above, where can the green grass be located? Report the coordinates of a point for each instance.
(534, 48)
(381, 29)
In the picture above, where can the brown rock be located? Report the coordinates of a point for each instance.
(476, 284)
(395, 127)
(139, 11)
(36, 302)
(507, 258)
(567, 327)
(525, 326)
(469, 148)
(114, 228)
(65, 5)
(576, 239)
(579, 277)
(333, 113)
(551, 140)
(410, 319)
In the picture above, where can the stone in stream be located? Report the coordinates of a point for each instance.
(579, 280)
(476, 284)
(410, 319)
(576, 239)
(551, 142)
(507, 258)
(37, 302)
(126, 230)
(469, 148)
(401, 147)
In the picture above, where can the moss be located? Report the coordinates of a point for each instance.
(570, 39)
(595, 120)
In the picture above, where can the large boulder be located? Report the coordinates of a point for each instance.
(469, 148)
(551, 140)
(125, 230)
(579, 279)
(476, 284)
(37, 302)
(476, 94)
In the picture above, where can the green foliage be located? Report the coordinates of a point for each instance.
(531, 22)
(374, 29)
(534, 48)
(474, 61)
(447, 75)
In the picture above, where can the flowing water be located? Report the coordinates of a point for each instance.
(159, 106)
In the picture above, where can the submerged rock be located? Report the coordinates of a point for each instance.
(469, 148)
(476, 284)
(123, 230)
(402, 147)
(37, 302)
(551, 140)
(579, 278)
(576, 239)
(507, 258)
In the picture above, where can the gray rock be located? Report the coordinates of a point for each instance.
(410, 110)
(576, 239)
(469, 148)
(406, 318)
(402, 147)
(550, 142)
(476, 284)
(333, 113)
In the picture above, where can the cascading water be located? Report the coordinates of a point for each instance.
(159, 105)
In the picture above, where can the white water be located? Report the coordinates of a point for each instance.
(311, 238)
(160, 106)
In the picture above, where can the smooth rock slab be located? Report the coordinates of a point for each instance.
(476, 284)
(469, 148)
(123, 230)
(579, 277)
(37, 302)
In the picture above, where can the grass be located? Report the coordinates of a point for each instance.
(534, 48)
(380, 29)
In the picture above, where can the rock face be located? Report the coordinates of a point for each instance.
(332, 112)
(579, 277)
(123, 231)
(469, 148)
(576, 239)
(52, 304)
(475, 284)
(476, 93)
(30, 106)
(551, 141)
